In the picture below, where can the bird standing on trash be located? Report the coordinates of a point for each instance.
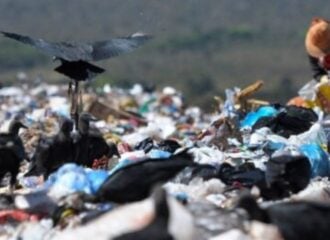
(76, 57)
(52, 153)
(89, 144)
(12, 151)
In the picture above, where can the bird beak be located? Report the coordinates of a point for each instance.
(23, 126)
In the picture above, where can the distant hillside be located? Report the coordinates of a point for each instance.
(200, 46)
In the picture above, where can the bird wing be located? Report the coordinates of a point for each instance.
(13, 143)
(5, 138)
(114, 47)
(66, 51)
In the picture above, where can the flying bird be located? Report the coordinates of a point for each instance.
(76, 57)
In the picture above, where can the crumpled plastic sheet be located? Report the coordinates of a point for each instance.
(71, 178)
(207, 155)
(197, 189)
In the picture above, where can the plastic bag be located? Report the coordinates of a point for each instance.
(155, 153)
(252, 117)
(72, 178)
(308, 91)
(96, 178)
(315, 135)
(317, 94)
(318, 158)
(207, 155)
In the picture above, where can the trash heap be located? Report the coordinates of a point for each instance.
(143, 164)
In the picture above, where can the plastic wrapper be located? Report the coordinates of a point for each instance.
(317, 191)
(197, 189)
(317, 95)
(208, 155)
(315, 135)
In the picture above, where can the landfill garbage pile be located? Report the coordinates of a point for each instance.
(143, 164)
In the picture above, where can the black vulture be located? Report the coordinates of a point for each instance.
(76, 57)
(12, 151)
(134, 182)
(89, 143)
(52, 153)
(158, 228)
(295, 220)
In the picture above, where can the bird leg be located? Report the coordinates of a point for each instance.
(72, 107)
(71, 97)
(70, 89)
(12, 183)
(81, 106)
(74, 111)
(76, 104)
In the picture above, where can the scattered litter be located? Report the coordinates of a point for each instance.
(204, 161)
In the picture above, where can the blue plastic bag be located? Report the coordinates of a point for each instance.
(252, 117)
(74, 182)
(73, 178)
(96, 178)
(318, 158)
(156, 153)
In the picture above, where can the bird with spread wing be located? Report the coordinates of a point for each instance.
(76, 57)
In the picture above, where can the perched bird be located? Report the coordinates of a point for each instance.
(52, 153)
(295, 220)
(76, 57)
(134, 181)
(158, 228)
(12, 151)
(89, 144)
